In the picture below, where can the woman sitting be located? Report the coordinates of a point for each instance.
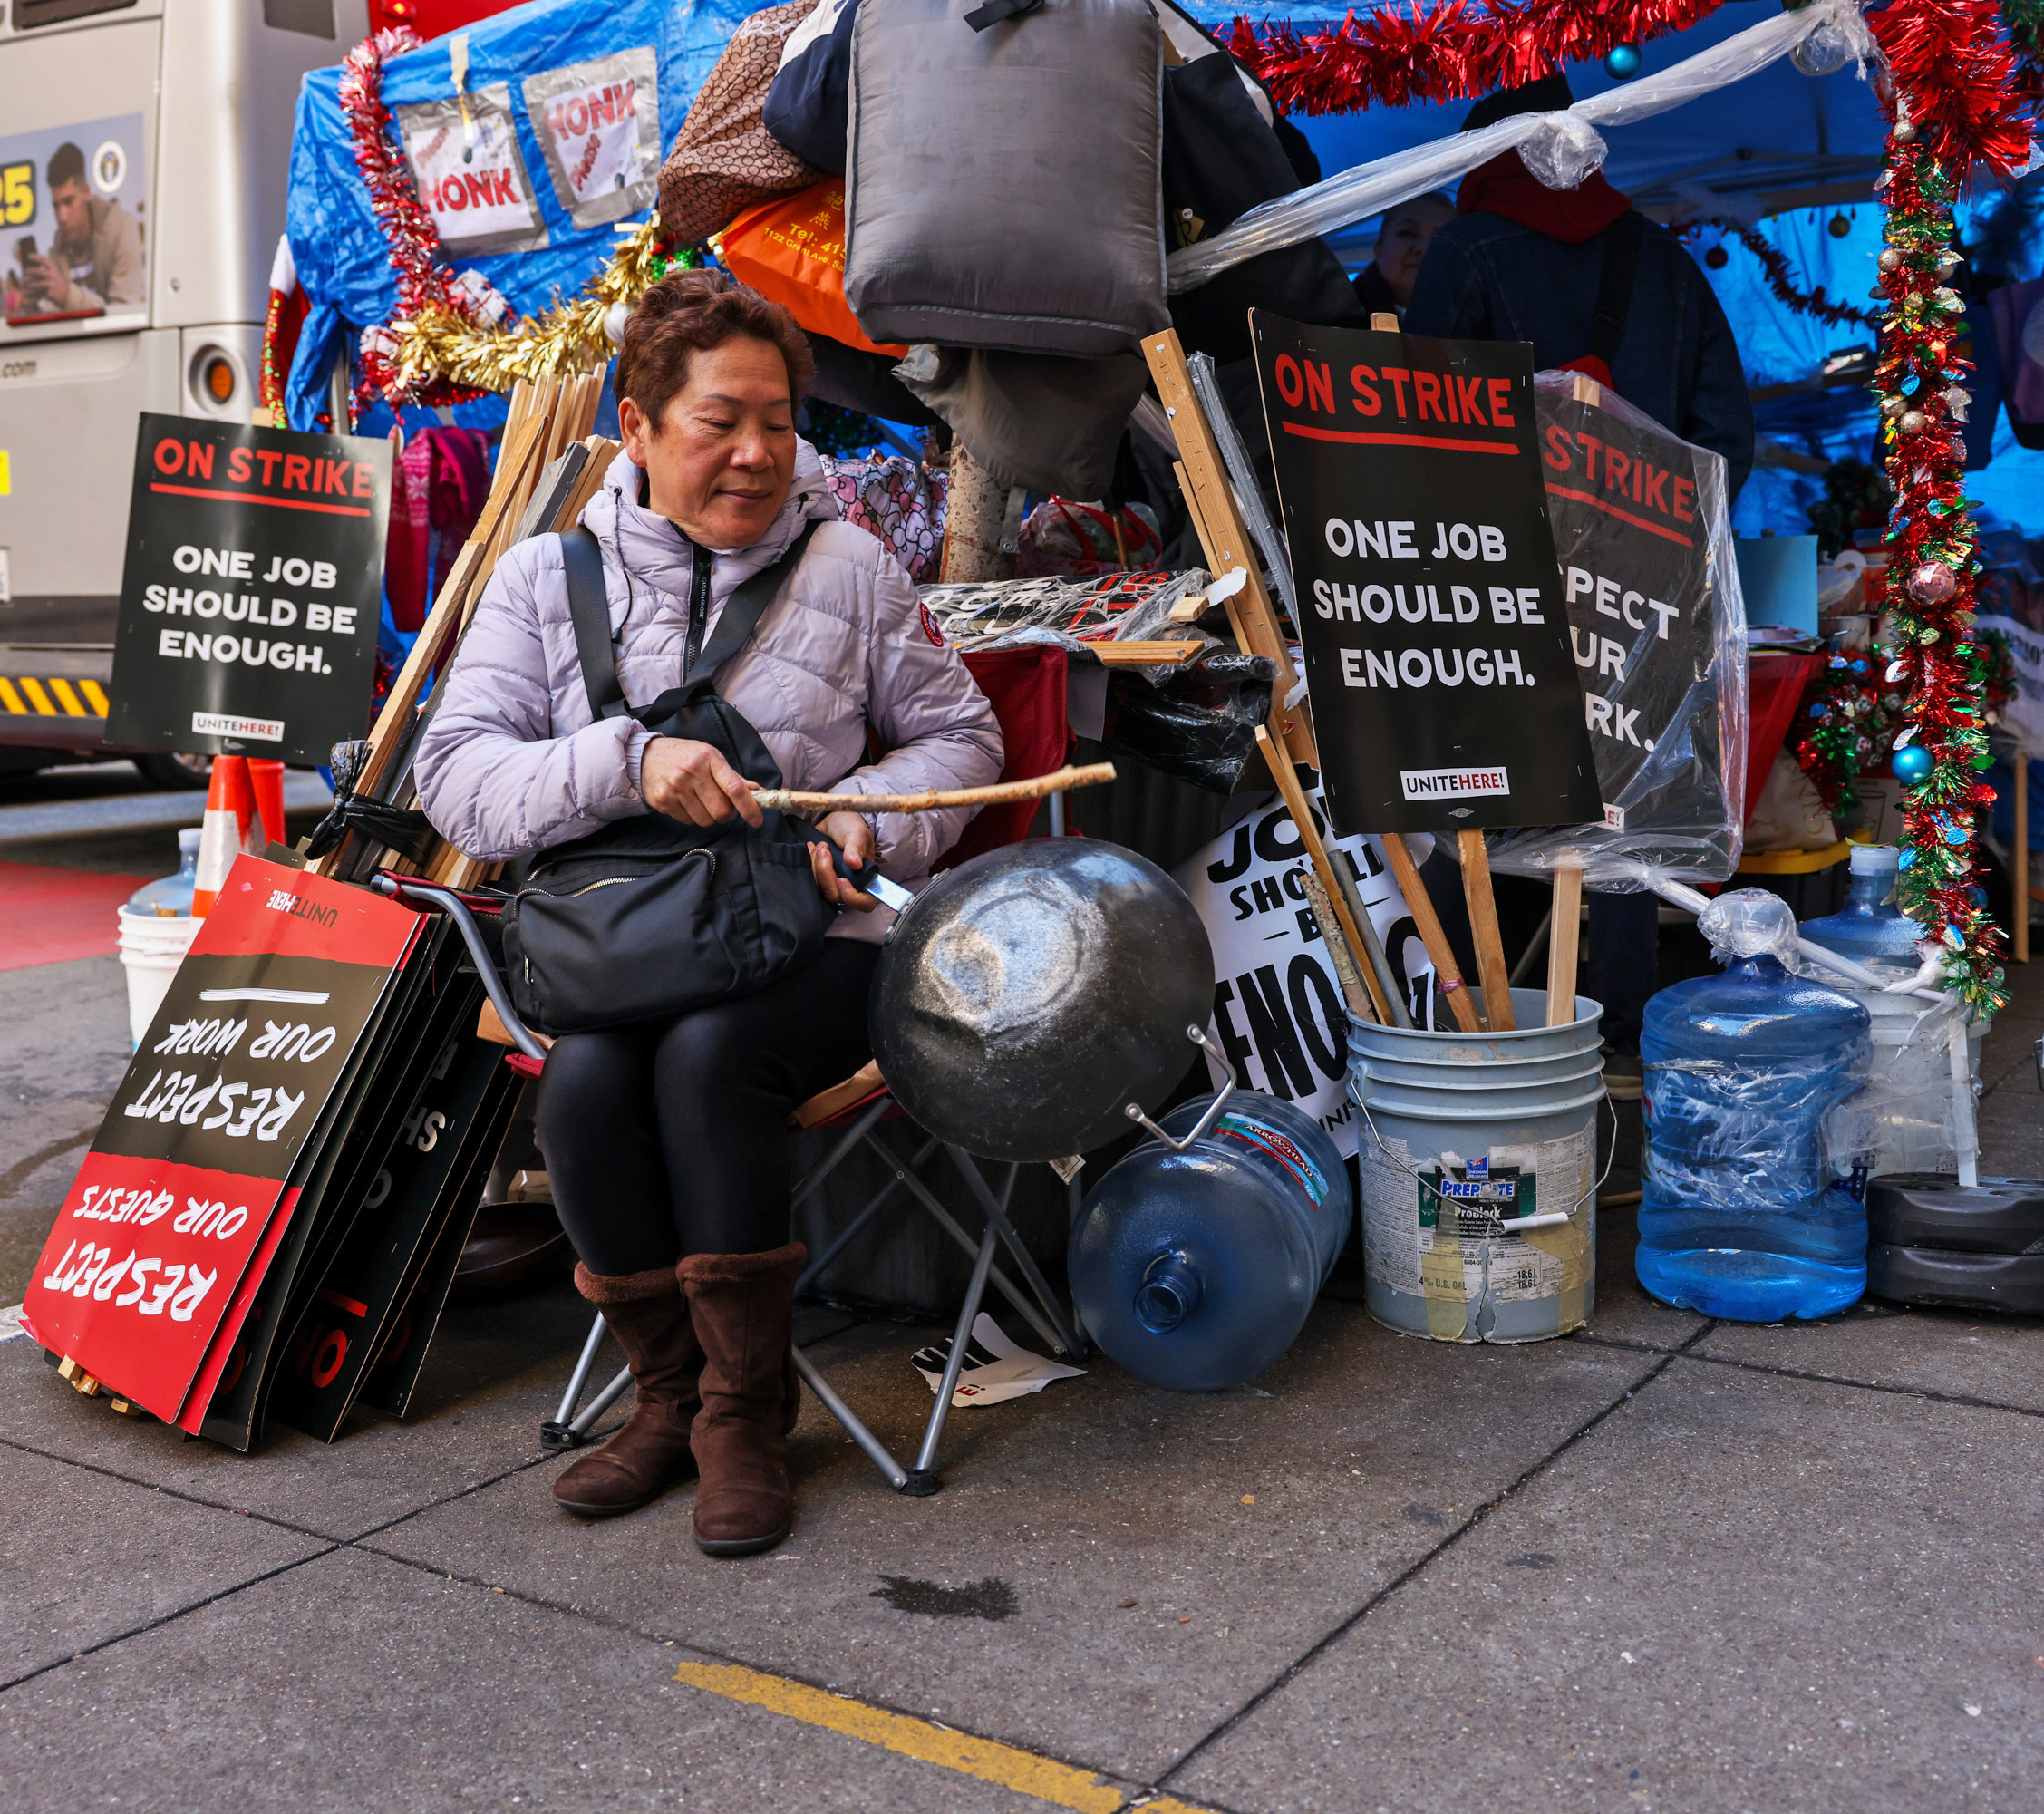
(667, 1143)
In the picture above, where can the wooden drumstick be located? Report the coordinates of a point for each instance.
(786, 800)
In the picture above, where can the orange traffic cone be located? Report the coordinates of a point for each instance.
(226, 831)
(266, 780)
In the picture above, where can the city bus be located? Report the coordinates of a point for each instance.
(144, 149)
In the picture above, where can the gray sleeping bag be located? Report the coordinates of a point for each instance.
(1001, 186)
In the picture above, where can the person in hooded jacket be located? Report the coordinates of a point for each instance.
(1521, 261)
(667, 1145)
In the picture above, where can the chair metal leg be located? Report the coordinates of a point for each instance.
(568, 1429)
(815, 1268)
(1002, 1282)
(997, 1216)
(875, 1450)
(968, 1314)
(847, 1140)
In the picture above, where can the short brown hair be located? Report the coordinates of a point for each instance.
(689, 312)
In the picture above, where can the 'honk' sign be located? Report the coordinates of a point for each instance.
(1435, 629)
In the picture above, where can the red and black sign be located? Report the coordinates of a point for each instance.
(254, 582)
(1436, 651)
(194, 1176)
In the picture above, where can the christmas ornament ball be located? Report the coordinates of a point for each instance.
(1912, 764)
(1716, 257)
(1622, 61)
(1840, 226)
(1912, 421)
(1933, 583)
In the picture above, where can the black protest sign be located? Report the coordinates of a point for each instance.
(356, 1310)
(252, 590)
(1630, 507)
(1444, 695)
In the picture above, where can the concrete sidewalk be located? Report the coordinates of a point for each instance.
(1665, 1563)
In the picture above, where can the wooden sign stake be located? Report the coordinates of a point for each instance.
(1483, 929)
(1287, 781)
(1562, 931)
(1204, 479)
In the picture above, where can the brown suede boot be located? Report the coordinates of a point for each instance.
(649, 1318)
(743, 1306)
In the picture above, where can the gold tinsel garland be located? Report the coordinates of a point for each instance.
(574, 334)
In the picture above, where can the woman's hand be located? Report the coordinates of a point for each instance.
(693, 783)
(852, 835)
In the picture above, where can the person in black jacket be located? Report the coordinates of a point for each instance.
(1521, 261)
(1385, 284)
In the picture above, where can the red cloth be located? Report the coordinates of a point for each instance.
(1505, 185)
(1777, 685)
(1026, 688)
(440, 483)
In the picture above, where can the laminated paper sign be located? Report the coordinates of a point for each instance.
(465, 158)
(194, 1171)
(1437, 651)
(250, 600)
(598, 125)
(1278, 1013)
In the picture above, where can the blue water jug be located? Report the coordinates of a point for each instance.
(1753, 1187)
(1871, 929)
(170, 896)
(1194, 1270)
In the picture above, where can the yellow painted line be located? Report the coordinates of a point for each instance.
(68, 699)
(9, 697)
(37, 697)
(1060, 1784)
(95, 696)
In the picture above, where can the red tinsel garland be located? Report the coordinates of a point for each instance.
(1458, 50)
(1951, 58)
(1781, 280)
(422, 281)
(1933, 560)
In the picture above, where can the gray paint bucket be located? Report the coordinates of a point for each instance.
(1463, 1135)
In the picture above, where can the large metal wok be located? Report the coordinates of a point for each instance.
(1027, 998)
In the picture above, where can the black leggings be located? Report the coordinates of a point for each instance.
(673, 1138)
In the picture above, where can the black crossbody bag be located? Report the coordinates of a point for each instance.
(649, 917)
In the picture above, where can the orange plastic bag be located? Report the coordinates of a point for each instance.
(791, 250)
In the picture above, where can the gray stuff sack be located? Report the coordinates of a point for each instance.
(1001, 186)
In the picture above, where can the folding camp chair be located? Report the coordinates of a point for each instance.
(1026, 687)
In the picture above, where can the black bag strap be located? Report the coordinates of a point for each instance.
(995, 11)
(1615, 285)
(589, 606)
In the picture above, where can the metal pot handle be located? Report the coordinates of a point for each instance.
(1197, 1035)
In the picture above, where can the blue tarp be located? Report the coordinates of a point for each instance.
(342, 258)
(1777, 130)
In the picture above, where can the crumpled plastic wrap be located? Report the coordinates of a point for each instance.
(1657, 623)
(1196, 723)
(1909, 1116)
(1559, 149)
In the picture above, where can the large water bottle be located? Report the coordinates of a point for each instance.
(1753, 1180)
(170, 896)
(1871, 929)
(1195, 1270)
(1909, 1089)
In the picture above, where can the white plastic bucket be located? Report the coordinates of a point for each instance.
(152, 946)
(1462, 1135)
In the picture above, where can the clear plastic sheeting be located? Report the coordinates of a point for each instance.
(1759, 1134)
(1072, 614)
(1642, 533)
(1916, 1111)
(1559, 149)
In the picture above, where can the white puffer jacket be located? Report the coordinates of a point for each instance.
(512, 761)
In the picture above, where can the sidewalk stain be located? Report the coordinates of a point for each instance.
(1059, 1784)
(992, 1599)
